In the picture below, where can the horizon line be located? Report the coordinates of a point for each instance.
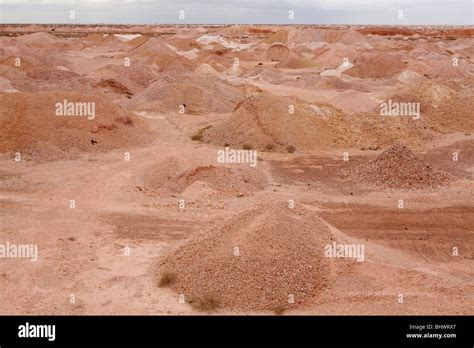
(245, 24)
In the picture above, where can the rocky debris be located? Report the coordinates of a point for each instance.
(267, 258)
(398, 167)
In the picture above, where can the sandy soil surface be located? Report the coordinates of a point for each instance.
(133, 212)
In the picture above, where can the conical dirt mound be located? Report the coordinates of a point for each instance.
(261, 259)
(263, 122)
(278, 52)
(169, 177)
(399, 167)
(199, 95)
(376, 65)
(29, 125)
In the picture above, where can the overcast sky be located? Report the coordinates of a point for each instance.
(423, 12)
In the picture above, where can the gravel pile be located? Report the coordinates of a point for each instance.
(169, 177)
(29, 124)
(199, 95)
(376, 65)
(398, 167)
(280, 263)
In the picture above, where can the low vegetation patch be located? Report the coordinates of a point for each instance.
(206, 303)
(199, 134)
(166, 279)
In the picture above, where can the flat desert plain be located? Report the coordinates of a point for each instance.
(236, 170)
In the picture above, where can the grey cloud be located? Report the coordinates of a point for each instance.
(239, 12)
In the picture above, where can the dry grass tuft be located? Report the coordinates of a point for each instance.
(166, 279)
(205, 303)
